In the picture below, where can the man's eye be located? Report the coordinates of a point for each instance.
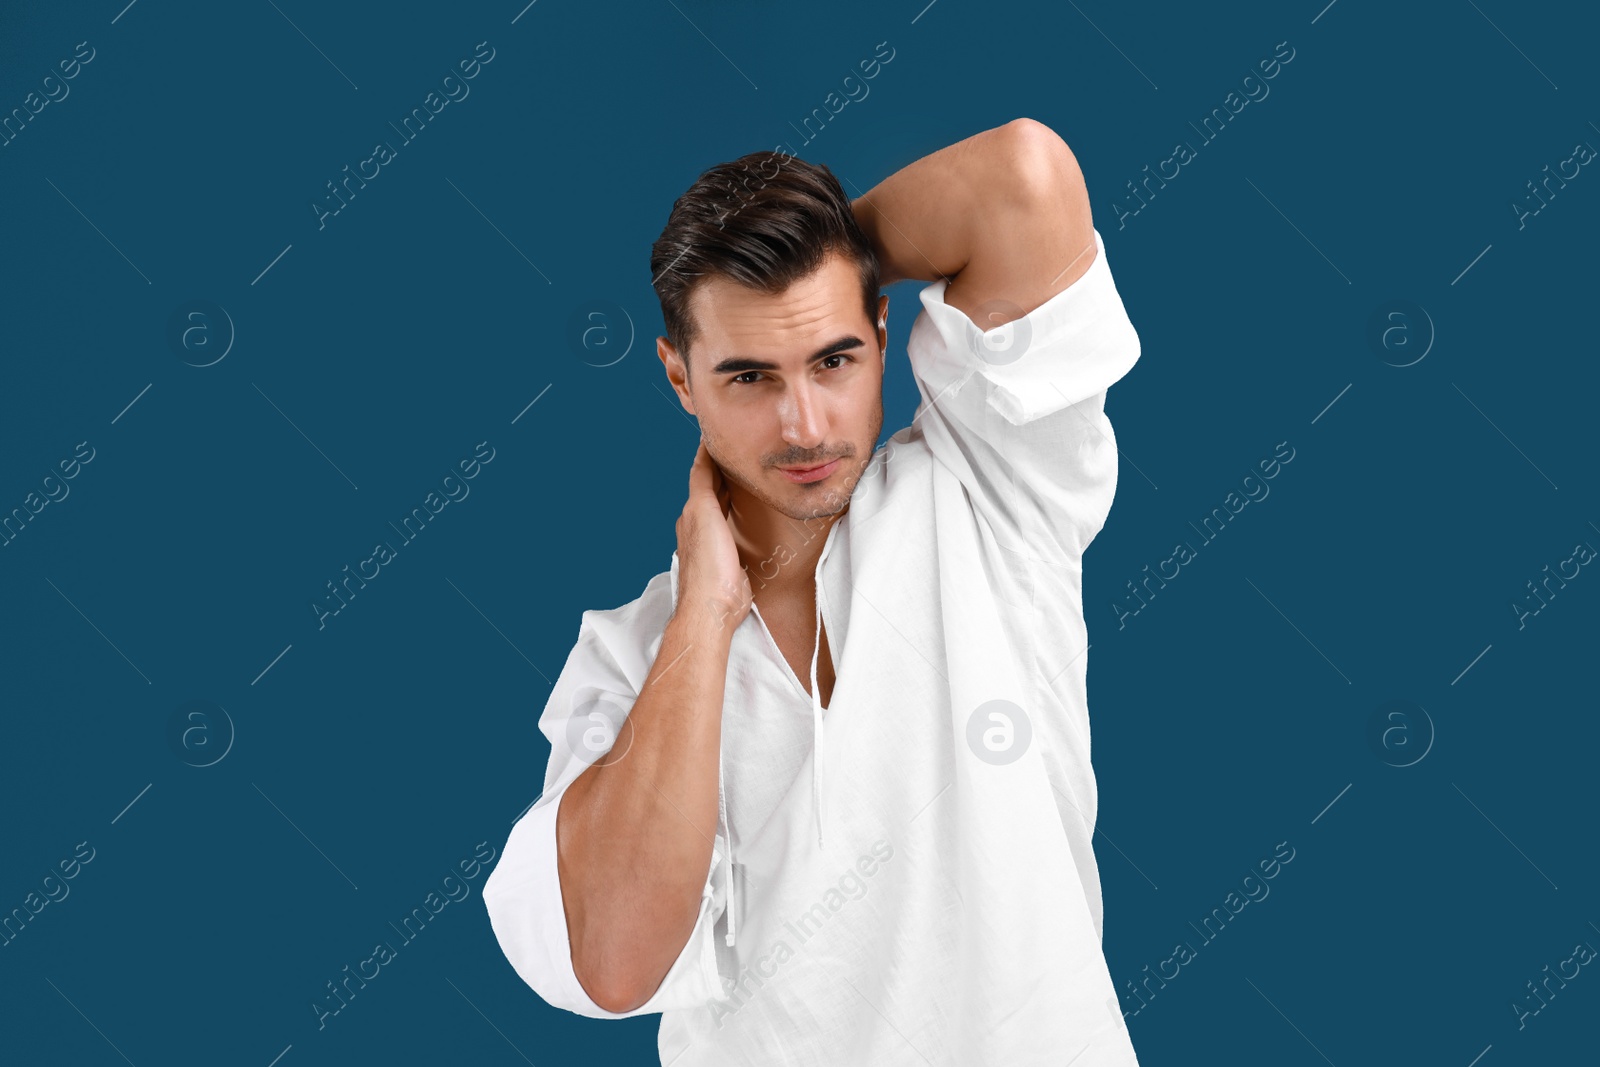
(740, 379)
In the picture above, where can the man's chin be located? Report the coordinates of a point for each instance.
(820, 508)
(820, 499)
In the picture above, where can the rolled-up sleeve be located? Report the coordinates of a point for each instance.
(523, 893)
(1017, 412)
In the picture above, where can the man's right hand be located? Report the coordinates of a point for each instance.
(710, 576)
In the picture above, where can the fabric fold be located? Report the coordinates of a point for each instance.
(816, 724)
(817, 737)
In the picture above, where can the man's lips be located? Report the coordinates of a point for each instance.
(810, 474)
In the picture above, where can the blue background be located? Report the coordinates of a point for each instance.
(367, 758)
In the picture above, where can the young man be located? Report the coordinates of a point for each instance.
(822, 794)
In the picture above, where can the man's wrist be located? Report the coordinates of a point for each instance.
(697, 618)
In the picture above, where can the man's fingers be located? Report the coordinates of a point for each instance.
(719, 486)
(701, 473)
(706, 477)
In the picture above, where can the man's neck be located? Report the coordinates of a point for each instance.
(778, 553)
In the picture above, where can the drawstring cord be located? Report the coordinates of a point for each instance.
(727, 875)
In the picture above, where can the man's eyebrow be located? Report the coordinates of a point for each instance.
(739, 364)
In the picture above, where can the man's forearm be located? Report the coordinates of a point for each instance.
(925, 219)
(1003, 215)
(634, 831)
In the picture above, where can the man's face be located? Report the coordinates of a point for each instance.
(768, 398)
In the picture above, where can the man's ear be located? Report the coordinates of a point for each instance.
(677, 373)
(883, 326)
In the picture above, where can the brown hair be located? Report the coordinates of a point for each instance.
(764, 220)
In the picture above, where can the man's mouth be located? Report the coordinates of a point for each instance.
(810, 474)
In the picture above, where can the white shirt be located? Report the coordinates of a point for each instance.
(903, 877)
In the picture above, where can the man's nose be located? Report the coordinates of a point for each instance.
(801, 414)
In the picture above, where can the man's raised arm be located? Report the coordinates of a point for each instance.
(1003, 213)
(1000, 223)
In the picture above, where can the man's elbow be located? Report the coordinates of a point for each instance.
(610, 975)
(1040, 164)
(614, 992)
